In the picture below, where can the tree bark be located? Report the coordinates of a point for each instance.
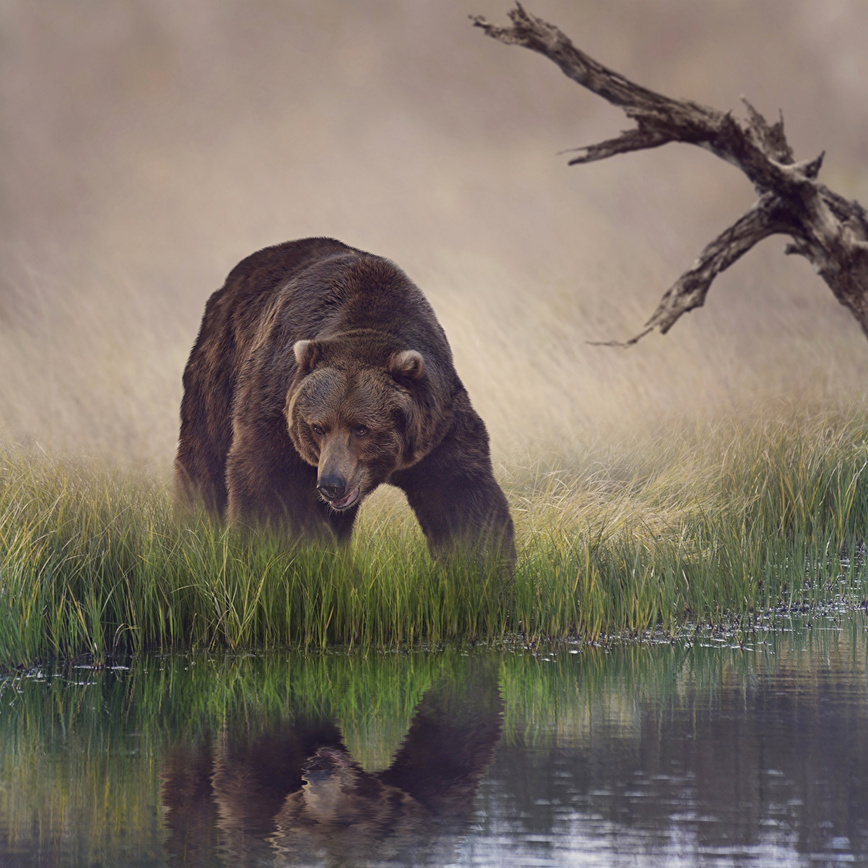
(827, 229)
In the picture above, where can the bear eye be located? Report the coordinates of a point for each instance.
(361, 431)
(317, 429)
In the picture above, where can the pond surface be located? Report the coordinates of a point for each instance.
(694, 753)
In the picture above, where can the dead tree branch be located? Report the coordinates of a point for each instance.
(828, 230)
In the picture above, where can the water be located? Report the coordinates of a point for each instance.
(700, 752)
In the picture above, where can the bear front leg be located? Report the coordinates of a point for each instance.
(459, 505)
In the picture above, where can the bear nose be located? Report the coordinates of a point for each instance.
(331, 487)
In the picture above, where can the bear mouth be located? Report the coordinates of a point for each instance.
(345, 502)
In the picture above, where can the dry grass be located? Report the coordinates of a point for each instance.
(157, 145)
(142, 169)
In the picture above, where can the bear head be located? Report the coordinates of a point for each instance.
(356, 410)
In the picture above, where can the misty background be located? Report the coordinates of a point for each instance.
(146, 147)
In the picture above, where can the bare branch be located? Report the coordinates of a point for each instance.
(690, 290)
(538, 35)
(827, 229)
(631, 140)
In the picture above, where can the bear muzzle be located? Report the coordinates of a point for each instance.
(333, 489)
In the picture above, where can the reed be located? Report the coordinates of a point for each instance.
(707, 523)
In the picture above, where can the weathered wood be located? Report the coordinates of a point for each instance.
(827, 229)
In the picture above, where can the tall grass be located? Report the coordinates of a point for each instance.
(709, 523)
(725, 522)
(92, 562)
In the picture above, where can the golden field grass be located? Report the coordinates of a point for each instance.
(151, 148)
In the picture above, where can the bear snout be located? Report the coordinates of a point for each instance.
(333, 490)
(331, 487)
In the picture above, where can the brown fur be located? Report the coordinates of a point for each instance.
(319, 373)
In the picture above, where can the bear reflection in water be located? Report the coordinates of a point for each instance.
(293, 793)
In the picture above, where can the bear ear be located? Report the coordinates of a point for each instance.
(407, 365)
(307, 354)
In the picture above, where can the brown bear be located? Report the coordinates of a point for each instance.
(319, 373)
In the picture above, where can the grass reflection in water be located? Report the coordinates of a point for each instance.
(426, 757)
